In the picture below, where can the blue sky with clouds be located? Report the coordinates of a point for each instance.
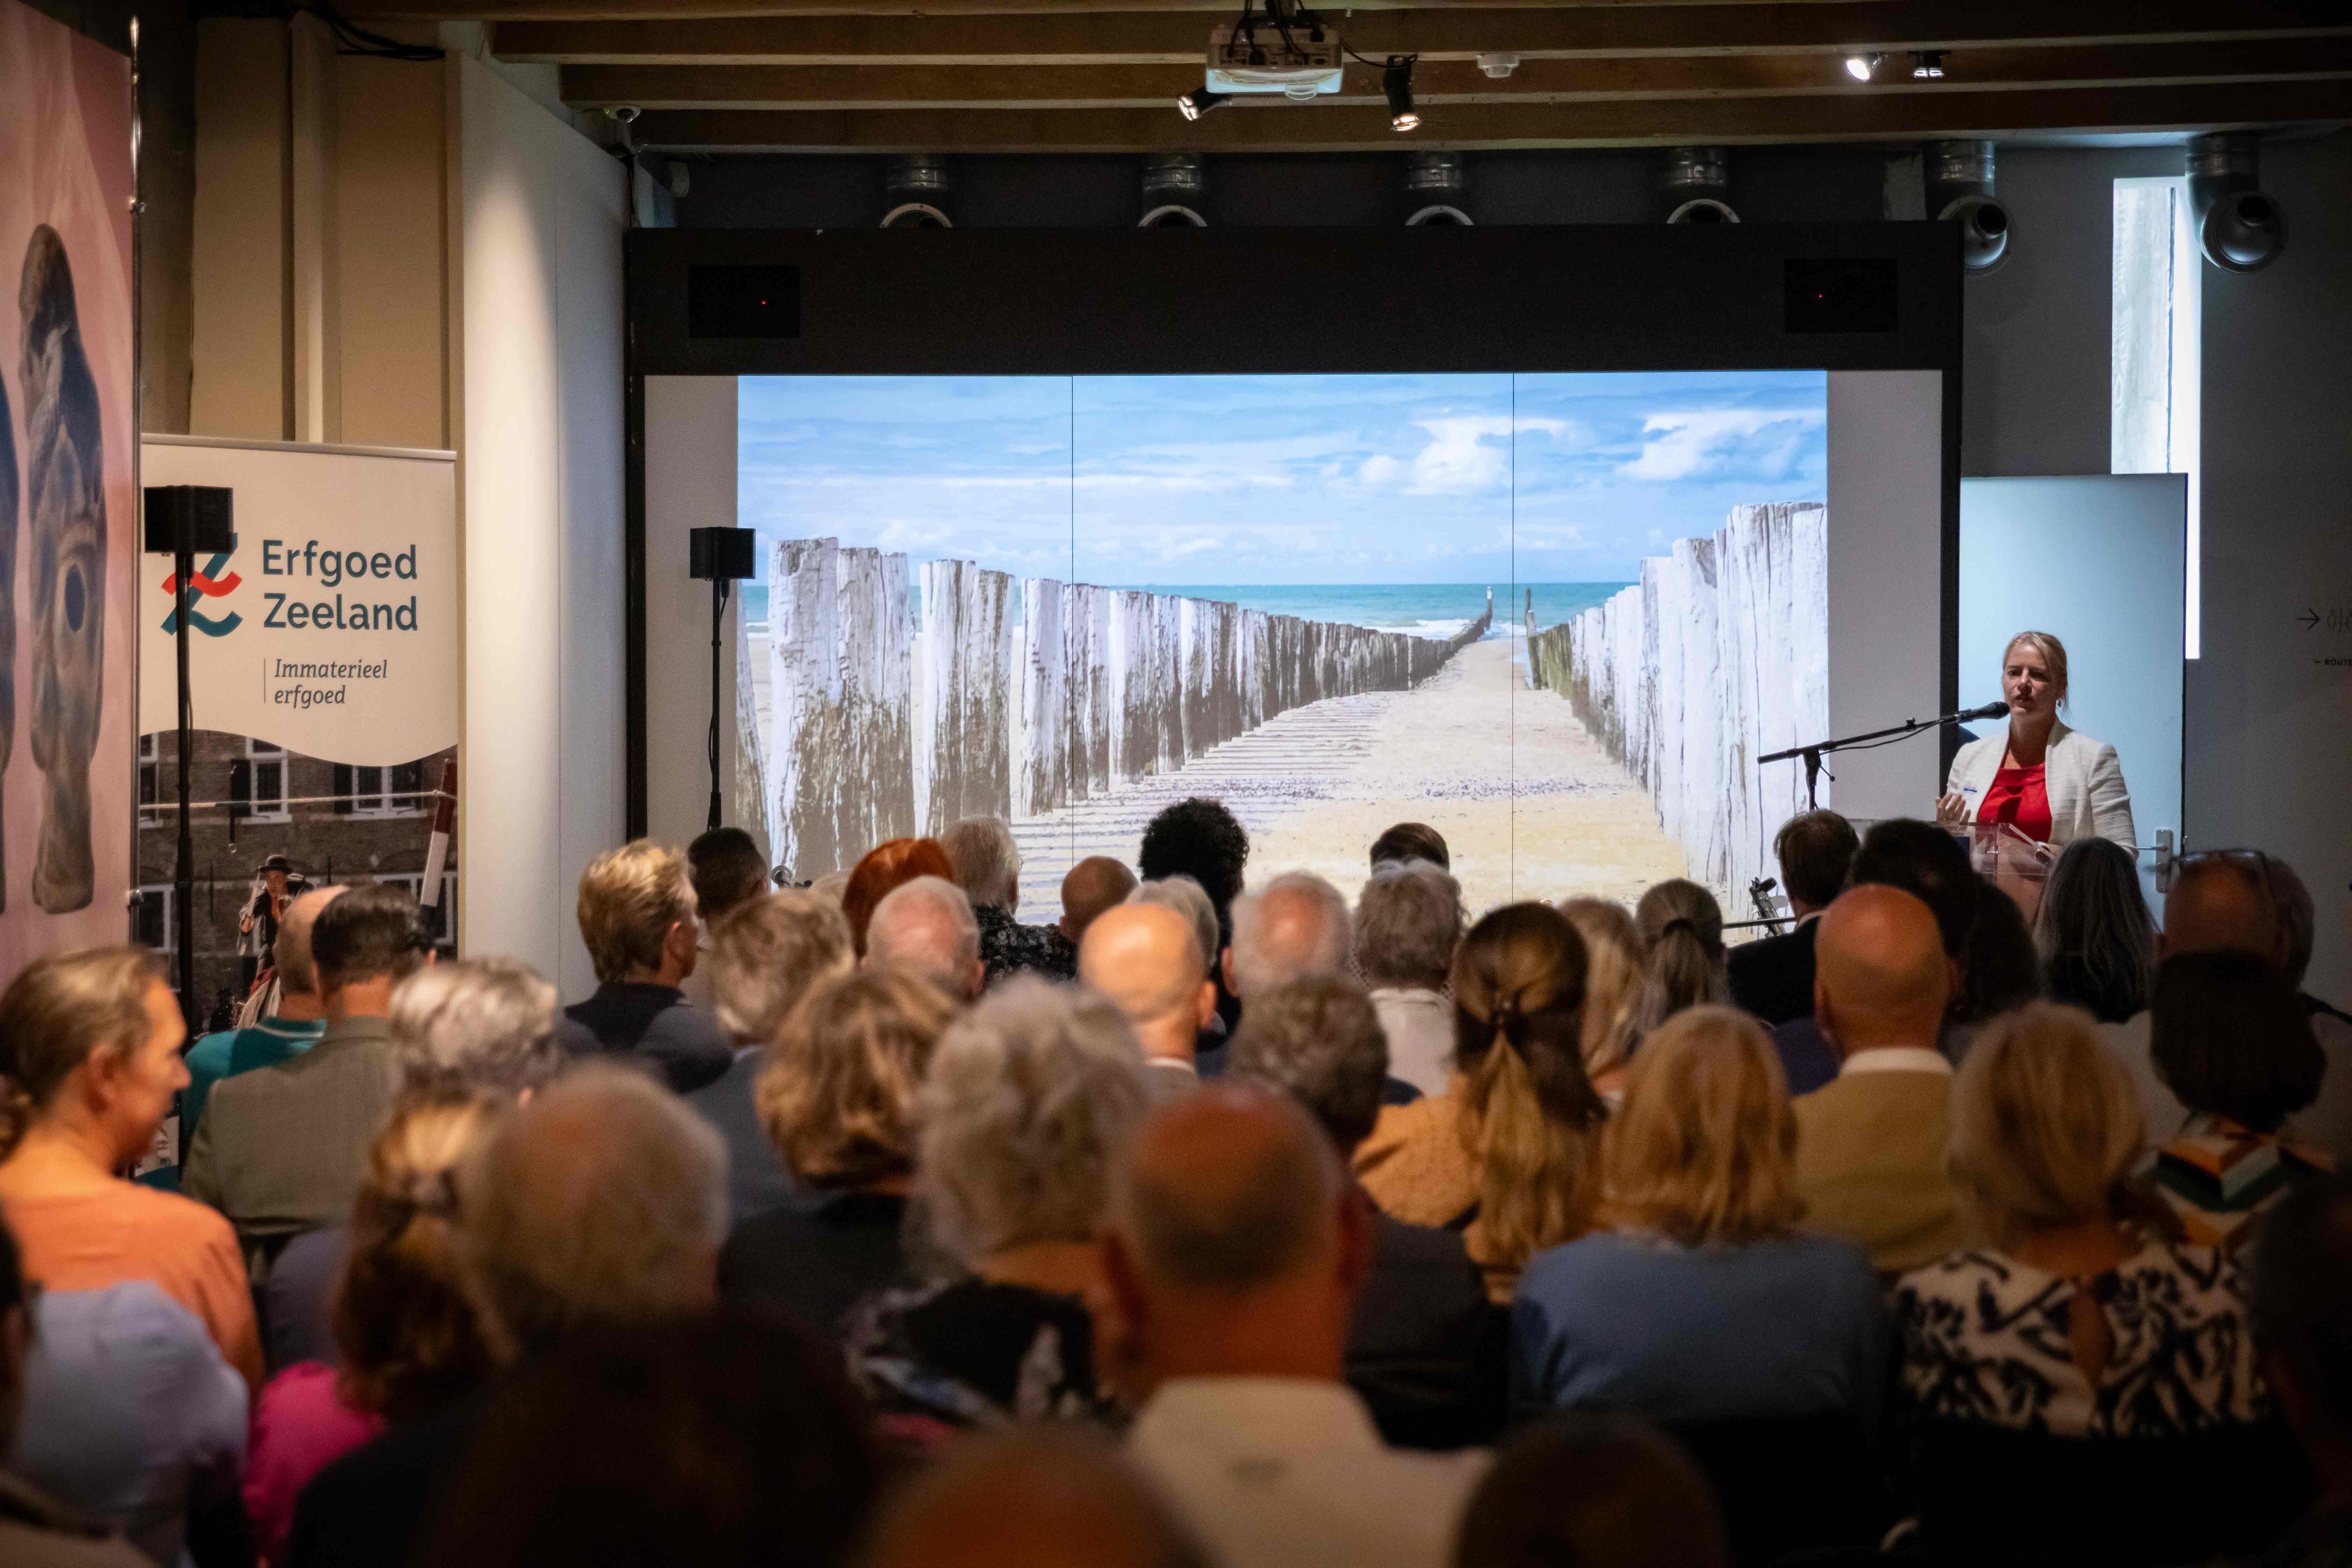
(1277, 480)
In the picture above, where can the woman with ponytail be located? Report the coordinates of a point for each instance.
(1506, 1154)
(1683, 926)
(407, 1336)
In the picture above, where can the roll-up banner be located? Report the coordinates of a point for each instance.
(331, 628)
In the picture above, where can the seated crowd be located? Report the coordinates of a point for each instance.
(1215, 1222)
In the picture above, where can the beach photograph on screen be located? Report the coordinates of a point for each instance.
(1555, 616)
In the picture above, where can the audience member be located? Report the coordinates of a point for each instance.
(1184, 896)
(1506, 1154)
(1923, 860)
(2079, 1302)
(90, 1057)
(2327, 1121)
(1419, 1351)
(407, 1343)
(887, 866)
(1028, 1097)
(1030, 1496)
(282, 1149)
(988, 868)
(1095, 884)
(1740, 1316)
(1999, 968)
(1682, 932)
(1408, 923)
(1146, 957)
(838, 1098)
(38, 1530)
(1408, 842)
(2302, 1312)
(1615, 971)
(731, 1439)
(764, 958)
(727, 871)
(1870, 1144)
(1297, 925)
(1772, 976)
(300, 1019)
(927, 927)
(637, 917)
(600, 1201)
(1234, 1251)
(2232, 1044)
(480, 1026)
(1197, 837)
(1591, 1491)
(2093, 931)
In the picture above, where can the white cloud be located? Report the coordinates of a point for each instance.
(1681, 445)
(1466, 452)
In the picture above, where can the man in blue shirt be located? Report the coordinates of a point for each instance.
(294, 1028)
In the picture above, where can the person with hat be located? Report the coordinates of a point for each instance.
(256, 927)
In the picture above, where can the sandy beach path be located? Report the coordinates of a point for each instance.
(1530, 804)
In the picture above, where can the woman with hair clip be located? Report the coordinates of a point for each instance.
(1506, 1154)
(407, 1336)
(1683, 926)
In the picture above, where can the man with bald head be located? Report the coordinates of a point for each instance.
(294, 1027)
(1146, 958)
(1870, 1143)
(927, 927)
(1032, 1496)
(1233, 1251)
(1297, 925)
(1095, 884)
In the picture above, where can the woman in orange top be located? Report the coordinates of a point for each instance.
(1506, 1154)
(90, 1058)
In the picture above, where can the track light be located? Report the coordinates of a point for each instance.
(1398, 80)
(1861, 67)
(1926, 65)
(2238, 227)
(1200, 100)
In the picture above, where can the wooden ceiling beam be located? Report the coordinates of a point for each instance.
(670, 87)
(1278, 126)
(1129, 35)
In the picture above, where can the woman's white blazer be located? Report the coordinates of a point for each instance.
(2084, 780)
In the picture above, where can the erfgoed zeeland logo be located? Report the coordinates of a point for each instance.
(208, 584)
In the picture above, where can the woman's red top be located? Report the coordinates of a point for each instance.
(2020, 796)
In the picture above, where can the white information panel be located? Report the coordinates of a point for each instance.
(331, 629)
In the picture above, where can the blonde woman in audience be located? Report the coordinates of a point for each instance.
(406, 1337)
(90, 1058)
(1507, 1153)
(2084, 1319)
(1681, 934)
(1740, 1316)
(1613, 979)
(1028, 1098)
(837, 1097)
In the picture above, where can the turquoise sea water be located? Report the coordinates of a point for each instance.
(1423, 609)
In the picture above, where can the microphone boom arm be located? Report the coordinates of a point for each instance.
(1813, 753)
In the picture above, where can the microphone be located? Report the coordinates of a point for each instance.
(1989, 710)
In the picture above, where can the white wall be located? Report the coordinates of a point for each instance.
(537, 229)
(689, 484)
(2268, 729)
(1885, 552)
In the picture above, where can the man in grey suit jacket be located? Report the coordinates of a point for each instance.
(282, 1149)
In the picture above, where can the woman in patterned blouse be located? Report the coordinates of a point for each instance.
(2085, 1318)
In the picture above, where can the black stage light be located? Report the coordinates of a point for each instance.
(1927, 65)
(1861, 67)
(1200, 100)
(1398, 81)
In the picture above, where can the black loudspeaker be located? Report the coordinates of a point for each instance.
(1841, 294)
(206, 510)
(723, 554)
(724, 300)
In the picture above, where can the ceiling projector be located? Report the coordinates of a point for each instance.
(1260, 59)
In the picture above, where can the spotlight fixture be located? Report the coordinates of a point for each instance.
(1926, 65)
(1861, 67)
(1958, 176)
(1200, 100)
(1397, 78)
(2239, 227)
(1437, 191)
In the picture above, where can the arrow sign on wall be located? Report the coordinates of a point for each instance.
(2310, 619)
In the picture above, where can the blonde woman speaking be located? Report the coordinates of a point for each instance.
(2053, 784)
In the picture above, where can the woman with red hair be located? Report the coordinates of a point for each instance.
(886, 866)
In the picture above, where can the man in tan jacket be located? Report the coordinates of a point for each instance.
(1870, 1144)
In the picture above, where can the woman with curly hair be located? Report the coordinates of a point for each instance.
(1506, 1154)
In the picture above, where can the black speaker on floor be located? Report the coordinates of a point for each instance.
(208, 511)
(718, 554)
